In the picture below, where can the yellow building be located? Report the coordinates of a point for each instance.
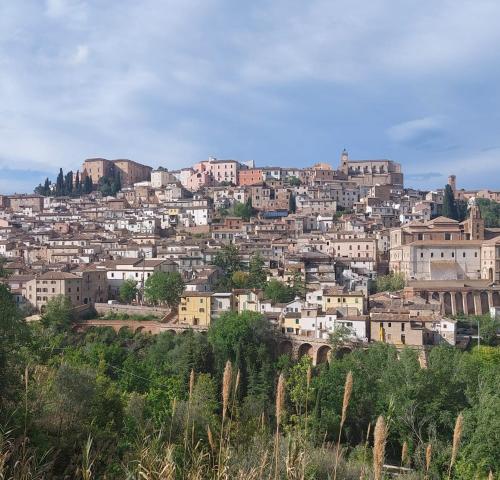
(247, 300)
(353, 303)
(195, 307)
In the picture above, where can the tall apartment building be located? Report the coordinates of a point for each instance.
(130, 172)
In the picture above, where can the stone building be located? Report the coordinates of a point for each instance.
(371, 172)
(130, 172)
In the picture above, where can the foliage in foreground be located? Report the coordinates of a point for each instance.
(105, 405)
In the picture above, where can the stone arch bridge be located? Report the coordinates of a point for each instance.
(295, 345)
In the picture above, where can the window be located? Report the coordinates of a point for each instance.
(447, 236)
(432, 254)
(442, 255)
(389, 324)
(421, 254)
(201, 310)
(402, 327)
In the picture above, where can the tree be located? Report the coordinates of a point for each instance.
(243, 210)
(298, 285)
(68, 183)
(60, 183)
(490, 212)
(12, 332)
(246, 339)
(449, 205)
(58, 315)
(128, 290)
(164, 287)
(228, 260)
(3, 271)
(239, 279)
(294, 181)
(292, 203)
(87, 185)
(43, 189)
(390, 283)
(257, 275)
(77, 183)
(278, 292)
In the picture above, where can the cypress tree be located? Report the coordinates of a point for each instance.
(46, 187)
(77, 183)
(292, 204)
(60, 183)
(87, 186)
(449, 205)
(68, 183)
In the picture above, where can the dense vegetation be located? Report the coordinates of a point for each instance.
(234, 275)
(74, 186)
(65, 186)
(490, 211)
(104, 405)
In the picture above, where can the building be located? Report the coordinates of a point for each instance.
(130, 172)
(161, 178)
(371, 172)
(250, 176)
(438, 260)
(43, 288)
(195, 308)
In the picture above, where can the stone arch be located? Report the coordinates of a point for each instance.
(342, 351)
(459, 302)
(496, 299)
(305, 349)
(123, 330)
(470, 303)
(139, 330)
(447, 303)
(485, 306)
(285, 347)
(171, 331)
(323, 354)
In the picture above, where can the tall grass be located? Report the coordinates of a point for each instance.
(345, 404)
(380, 439)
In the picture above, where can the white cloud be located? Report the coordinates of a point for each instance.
(56, 8)
(415, 129)
(80, 55)
(152, 74)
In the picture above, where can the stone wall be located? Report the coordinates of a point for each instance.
(104, 308)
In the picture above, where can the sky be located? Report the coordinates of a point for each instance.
(281, 82)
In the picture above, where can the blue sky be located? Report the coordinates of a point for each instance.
(282, 82)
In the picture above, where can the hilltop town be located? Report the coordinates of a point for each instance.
(325, 250)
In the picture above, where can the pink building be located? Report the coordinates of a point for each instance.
(200, 179)
(221, 170)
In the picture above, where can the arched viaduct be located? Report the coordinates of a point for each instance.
(297, 346)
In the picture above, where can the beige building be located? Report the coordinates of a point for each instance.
(371, 172)
(45, 287)
(19, 203)
(161, 178)
(490, 260)
(130, 172)
(437, 260)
